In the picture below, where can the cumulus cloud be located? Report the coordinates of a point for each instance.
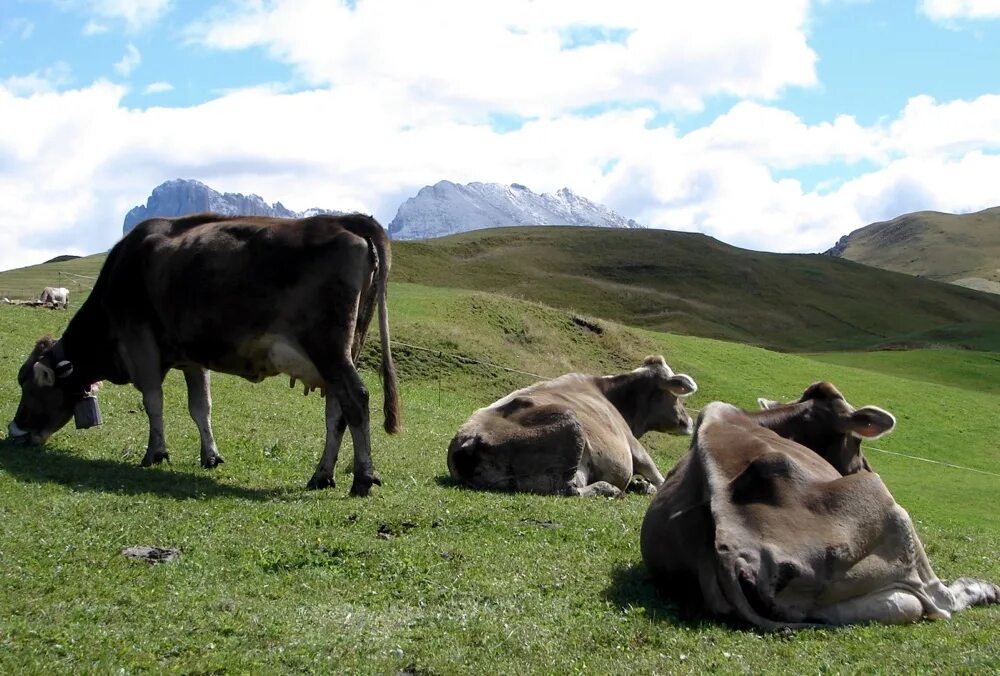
(512, 56)
(944, 10)
(158, 88)
(129, 62)
(93, 27)
(46, 80)
(73, 162)
(136, 14)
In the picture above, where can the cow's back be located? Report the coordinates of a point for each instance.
(207, 284)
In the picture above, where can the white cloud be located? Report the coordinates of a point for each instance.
(45, 80)
(473, 58)
(135, 14)
(93, 27)
(73, 162)
(129, 62)
(945, 10)
(19, 27)
(158, 88)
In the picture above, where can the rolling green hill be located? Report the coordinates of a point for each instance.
(425, 577)
(693, 284)
(962, 249)
(677, 282)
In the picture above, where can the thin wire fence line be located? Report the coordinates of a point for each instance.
(73, 274)
(935, 462)
(693, 410)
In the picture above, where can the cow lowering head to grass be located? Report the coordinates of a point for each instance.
(55, 297)
(248, 296)
(576, 434)
(770, 519)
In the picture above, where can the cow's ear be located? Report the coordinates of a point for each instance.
(44, 376)
(680, 385)
(869, 422)
(765, 404)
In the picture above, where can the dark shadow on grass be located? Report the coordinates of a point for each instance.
(49, 465)
(631, 587)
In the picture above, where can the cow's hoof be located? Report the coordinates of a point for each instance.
(641, 486)
(212, 461)
(319, 482)
(362, 485)
(154, 458)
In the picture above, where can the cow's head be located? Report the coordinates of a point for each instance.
(825, 422)
(664, 411)
(49, 395)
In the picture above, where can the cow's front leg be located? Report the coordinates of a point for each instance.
(200, 408)
(141, 355)
(156, 448)
(643, 465)
(323, 477)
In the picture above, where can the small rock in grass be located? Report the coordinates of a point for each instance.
(151, 554)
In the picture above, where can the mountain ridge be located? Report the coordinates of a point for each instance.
(181, 196)
(448, 208)
(962, 249)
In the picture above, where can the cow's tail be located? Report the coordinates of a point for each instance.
(390, 385)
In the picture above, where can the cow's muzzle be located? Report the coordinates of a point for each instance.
(16, 433)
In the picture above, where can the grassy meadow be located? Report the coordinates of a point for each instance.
(423, 576)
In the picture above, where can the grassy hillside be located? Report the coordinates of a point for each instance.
(692, 284)
(77, 275)
(425, 577)
(978, 371)
(670, 281)
(960, 248)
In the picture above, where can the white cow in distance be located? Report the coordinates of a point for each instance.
(55, 296)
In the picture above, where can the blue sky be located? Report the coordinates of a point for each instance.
(777, 126)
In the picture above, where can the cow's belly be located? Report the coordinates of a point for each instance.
(267, 356)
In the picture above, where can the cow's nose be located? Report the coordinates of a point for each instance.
(15, 432)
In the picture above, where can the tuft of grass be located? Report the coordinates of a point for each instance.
(425, 576)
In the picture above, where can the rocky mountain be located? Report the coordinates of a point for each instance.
(963, 249)
(187, 196)
(446, 208)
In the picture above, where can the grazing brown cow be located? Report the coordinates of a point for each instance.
(793, 530)
(576, 434)
(243, 295)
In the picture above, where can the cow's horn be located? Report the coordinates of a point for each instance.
(64, 368)
(44, 376)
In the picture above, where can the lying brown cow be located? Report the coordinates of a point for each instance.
(796, 531)
(576, 434)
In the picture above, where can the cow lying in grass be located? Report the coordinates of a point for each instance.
(576, 434)
(774, 517)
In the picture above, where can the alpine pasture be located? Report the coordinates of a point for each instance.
(427, 577)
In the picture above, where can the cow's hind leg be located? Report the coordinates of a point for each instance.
(969, 592)
(200, 408)
(582, 485)
(336, 423)
(346, 385)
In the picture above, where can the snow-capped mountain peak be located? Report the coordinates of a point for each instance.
(446, 208)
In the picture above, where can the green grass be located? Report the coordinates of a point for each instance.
(692, 284)
(945, 247)
(77, 275)
(978, 371)
(676, 282)
(275, 578)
